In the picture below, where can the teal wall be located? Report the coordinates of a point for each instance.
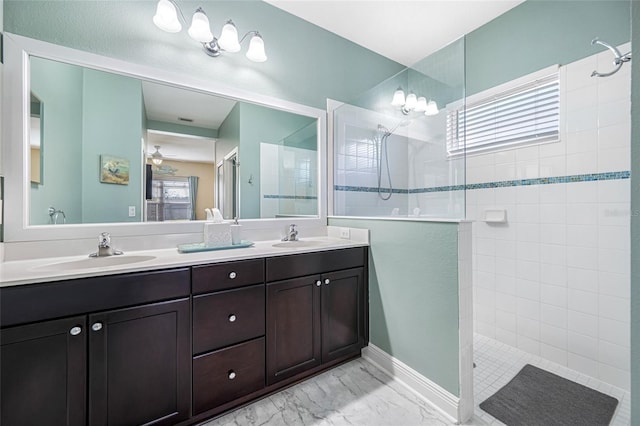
(259, 124)
(635, 216)
(541, 33)
(62, 141)
(87, 113)
(306, 63)
(413, 294)
(111, 125)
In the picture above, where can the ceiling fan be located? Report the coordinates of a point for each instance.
(157, 157)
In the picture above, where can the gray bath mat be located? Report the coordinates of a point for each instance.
(535, 397)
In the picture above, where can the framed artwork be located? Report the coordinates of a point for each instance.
(114, 170)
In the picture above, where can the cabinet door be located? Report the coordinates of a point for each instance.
(293, 327)
(140, 365)
(44, 373)
(342, 313)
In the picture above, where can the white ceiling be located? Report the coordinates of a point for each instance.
(169, 104)
(402, 30)
(181, 147)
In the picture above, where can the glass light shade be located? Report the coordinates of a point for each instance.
(256, 49)
(166, 17)
(432, 108)
(398, 98)
(422, 104)
(412, 101)
(229, 38)
(199, 29)
(156, 157)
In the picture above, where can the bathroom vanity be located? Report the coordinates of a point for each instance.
(179, 344)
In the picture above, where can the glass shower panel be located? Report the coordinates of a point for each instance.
(391, 160)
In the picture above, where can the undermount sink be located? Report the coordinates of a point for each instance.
(94, 262)
(299, 244)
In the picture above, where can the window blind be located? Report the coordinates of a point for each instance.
(524, 115)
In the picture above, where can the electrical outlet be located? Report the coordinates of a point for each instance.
(132, 211)
(345, 233)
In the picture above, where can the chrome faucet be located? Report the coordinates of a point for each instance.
(104, 246)
(292, 234)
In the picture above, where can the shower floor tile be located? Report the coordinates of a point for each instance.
(497, 363)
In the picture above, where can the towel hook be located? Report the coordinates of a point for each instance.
(618, 59)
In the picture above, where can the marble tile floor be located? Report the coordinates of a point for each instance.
(497, 363)
(355, 393)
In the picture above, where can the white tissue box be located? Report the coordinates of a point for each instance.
(217, 234)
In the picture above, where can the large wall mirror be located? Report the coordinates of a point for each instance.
(130, 145)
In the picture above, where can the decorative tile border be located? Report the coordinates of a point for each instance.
(289, 197)
(502, 184)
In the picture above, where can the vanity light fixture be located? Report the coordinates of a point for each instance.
(156, 157)
(413, 103)
(166, 18)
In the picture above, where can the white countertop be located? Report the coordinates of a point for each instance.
(61, 268)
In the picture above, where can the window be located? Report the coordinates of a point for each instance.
(526, 114)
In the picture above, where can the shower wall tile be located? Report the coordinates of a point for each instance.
(561, 262)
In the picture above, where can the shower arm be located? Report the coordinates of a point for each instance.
(619, 59)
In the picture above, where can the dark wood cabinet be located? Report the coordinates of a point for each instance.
(119, 366)
(43, 373)
(317, 318)
(227, 374)
(176, 346)
(343, 313)
(293, 327)
(139, 365)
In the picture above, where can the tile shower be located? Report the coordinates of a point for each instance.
(554, 279)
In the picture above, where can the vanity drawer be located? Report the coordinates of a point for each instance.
(227, 374)
(222, 276)
(227, 317)
(298, 265)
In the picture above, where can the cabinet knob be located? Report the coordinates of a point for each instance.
(232, 275)
(232, 318)
(231, 374)
(318, 283)
(327, 280)
(75, 330)
(96, 326)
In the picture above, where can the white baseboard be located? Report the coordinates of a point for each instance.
(432, 393)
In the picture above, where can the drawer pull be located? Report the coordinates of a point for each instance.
(327, 281)
(231, 374)
(318, 283)
(232, 275)
(232, 318)
(97, 326)
(75, 330)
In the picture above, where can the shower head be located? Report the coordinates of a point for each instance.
(388, 132)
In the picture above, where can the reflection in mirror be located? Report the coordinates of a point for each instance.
(36, 145)
(176, 142)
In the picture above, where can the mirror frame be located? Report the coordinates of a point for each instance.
(18, 49)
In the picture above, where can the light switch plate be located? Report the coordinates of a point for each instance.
(132, 211)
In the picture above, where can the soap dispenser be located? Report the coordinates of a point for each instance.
(235, 232)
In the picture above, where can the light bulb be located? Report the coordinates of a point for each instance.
(256, 49)
(229, 37)
(398, 98)
(199, 29)
(432, 108)
(412, 101)
(166, 17)
(422, 104)
(156, 157)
